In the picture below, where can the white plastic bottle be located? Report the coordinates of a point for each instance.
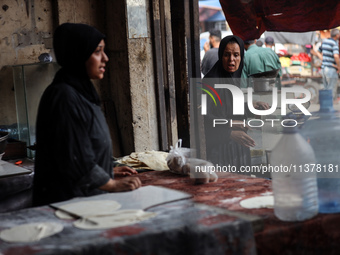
(322, 131)
(294, 187)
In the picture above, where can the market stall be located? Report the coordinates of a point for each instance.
(250, 19)
(299, 66)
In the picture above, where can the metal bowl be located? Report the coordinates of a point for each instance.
(267, 74)
(264, 81)
(263, 84)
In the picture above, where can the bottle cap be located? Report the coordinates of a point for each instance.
(290, 124)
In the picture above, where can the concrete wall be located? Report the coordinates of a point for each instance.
(127, 91)
(7, 99)
(26, 28)
(143, 93)
(132, 85)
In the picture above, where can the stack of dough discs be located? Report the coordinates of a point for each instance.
(258, 202)
(88, 208)
(153, 160)
(132, 162)
(118, 219)
(31, 232)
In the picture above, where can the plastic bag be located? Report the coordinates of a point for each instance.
(177, 158)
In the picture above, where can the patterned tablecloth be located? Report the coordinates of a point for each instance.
(212, 222)
(319, 235)
(180, 227)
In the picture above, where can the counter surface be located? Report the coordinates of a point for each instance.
(319, 235)
(180, 227)
(213, 222)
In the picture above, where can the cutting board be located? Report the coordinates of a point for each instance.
(8, 169)
(142, 198)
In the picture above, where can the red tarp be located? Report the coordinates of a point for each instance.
(250, 18)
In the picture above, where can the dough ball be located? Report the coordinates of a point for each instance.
(213, 177)
(202, 171)
(186, 169)
(176, 164)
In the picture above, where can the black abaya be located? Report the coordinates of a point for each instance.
(74, 151)
(220, 148)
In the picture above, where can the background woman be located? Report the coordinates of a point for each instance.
(225, 145)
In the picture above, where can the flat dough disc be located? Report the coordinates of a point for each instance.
(88, 208)
(117, 219)
(30, 232)
(258, 202)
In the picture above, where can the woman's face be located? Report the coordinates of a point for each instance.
(231, 58)
(95, 65)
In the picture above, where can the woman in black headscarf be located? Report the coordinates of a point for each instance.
(227, 146)
(74, 151)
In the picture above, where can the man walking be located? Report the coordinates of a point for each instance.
(329, 53)
(211, 51)
(269, 42)
(258, 60)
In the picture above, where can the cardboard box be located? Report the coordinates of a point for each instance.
(15, 149)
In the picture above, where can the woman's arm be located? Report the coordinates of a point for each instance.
(242, 138)
(121, 171)
(125, 184)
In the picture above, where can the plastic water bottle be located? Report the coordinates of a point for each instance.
(295, 189)
(322, 131)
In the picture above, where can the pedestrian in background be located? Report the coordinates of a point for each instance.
(259, 43)
(329, 53)
(258, 60)
(269, 42)
(211, 51)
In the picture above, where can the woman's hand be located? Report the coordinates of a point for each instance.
(242, 138)
(239, 125)
(206, 46)
(125, 184)
(121, 171)
(261, 105)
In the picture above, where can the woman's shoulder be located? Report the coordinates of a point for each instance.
(60, 87)
(61, 90)
(64, 100)
(62, 96)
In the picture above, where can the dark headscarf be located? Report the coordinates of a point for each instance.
(217, 71)
(73, 45)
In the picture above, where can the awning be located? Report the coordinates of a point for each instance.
(210, 10)
(251, 18)
(294, 38)
(219, 16)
